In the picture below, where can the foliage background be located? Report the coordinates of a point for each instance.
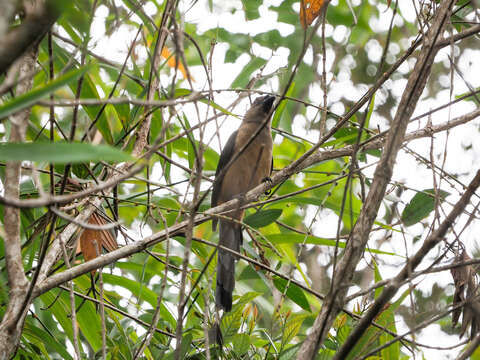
(234, 50)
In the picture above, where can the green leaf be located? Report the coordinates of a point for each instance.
(89, 91)
(37, 334)
(59, 310)
(140, 291)
(88, 320)
(300, 239)
(387, 319)
(263, 218)
(294, 293)
(244, 77)
(292, 328)
(245, 299)
(370, 112)
(186, 343)
(378, 277)
(241, 343)
(25, 100)
(231, 322)
(89, 323)
(251, 9)
(281, 107)
(421, 205)
(60, 153)
(289, 354)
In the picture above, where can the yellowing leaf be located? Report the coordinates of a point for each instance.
(173, 63)
(309, 10)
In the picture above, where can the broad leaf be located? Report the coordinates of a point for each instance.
(262, 218)
(421, 205)
(60, 153)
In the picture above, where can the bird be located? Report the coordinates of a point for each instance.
(245, 162)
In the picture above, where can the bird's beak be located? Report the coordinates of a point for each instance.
(267, 103)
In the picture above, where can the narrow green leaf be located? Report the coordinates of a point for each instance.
(88, 322)
(186, 343)
(370, 112)
(421, 205)
(59, 310)
(294, 293)
(378, 277)
(281, 107)
(300, 239)
(60, 153)
(232, 320)
(263, 218)
(387, 319)
(345, 136)
(25, 100)
(190, 144)
(87, 318)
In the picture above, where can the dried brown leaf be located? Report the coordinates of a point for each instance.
(108, 238)
(93, 241)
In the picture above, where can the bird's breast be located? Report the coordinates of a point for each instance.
(251, 167)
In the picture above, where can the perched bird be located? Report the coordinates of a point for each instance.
(237, 172)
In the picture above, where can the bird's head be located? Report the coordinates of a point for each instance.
(260, 109)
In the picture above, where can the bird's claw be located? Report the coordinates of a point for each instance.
(267, 179)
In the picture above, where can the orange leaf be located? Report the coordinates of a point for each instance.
(172, 63)
(309, 10)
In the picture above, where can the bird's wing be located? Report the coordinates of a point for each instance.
(225, 157)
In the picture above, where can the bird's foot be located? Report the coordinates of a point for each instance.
(267, 179)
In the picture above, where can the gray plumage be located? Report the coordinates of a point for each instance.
(237, 177)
